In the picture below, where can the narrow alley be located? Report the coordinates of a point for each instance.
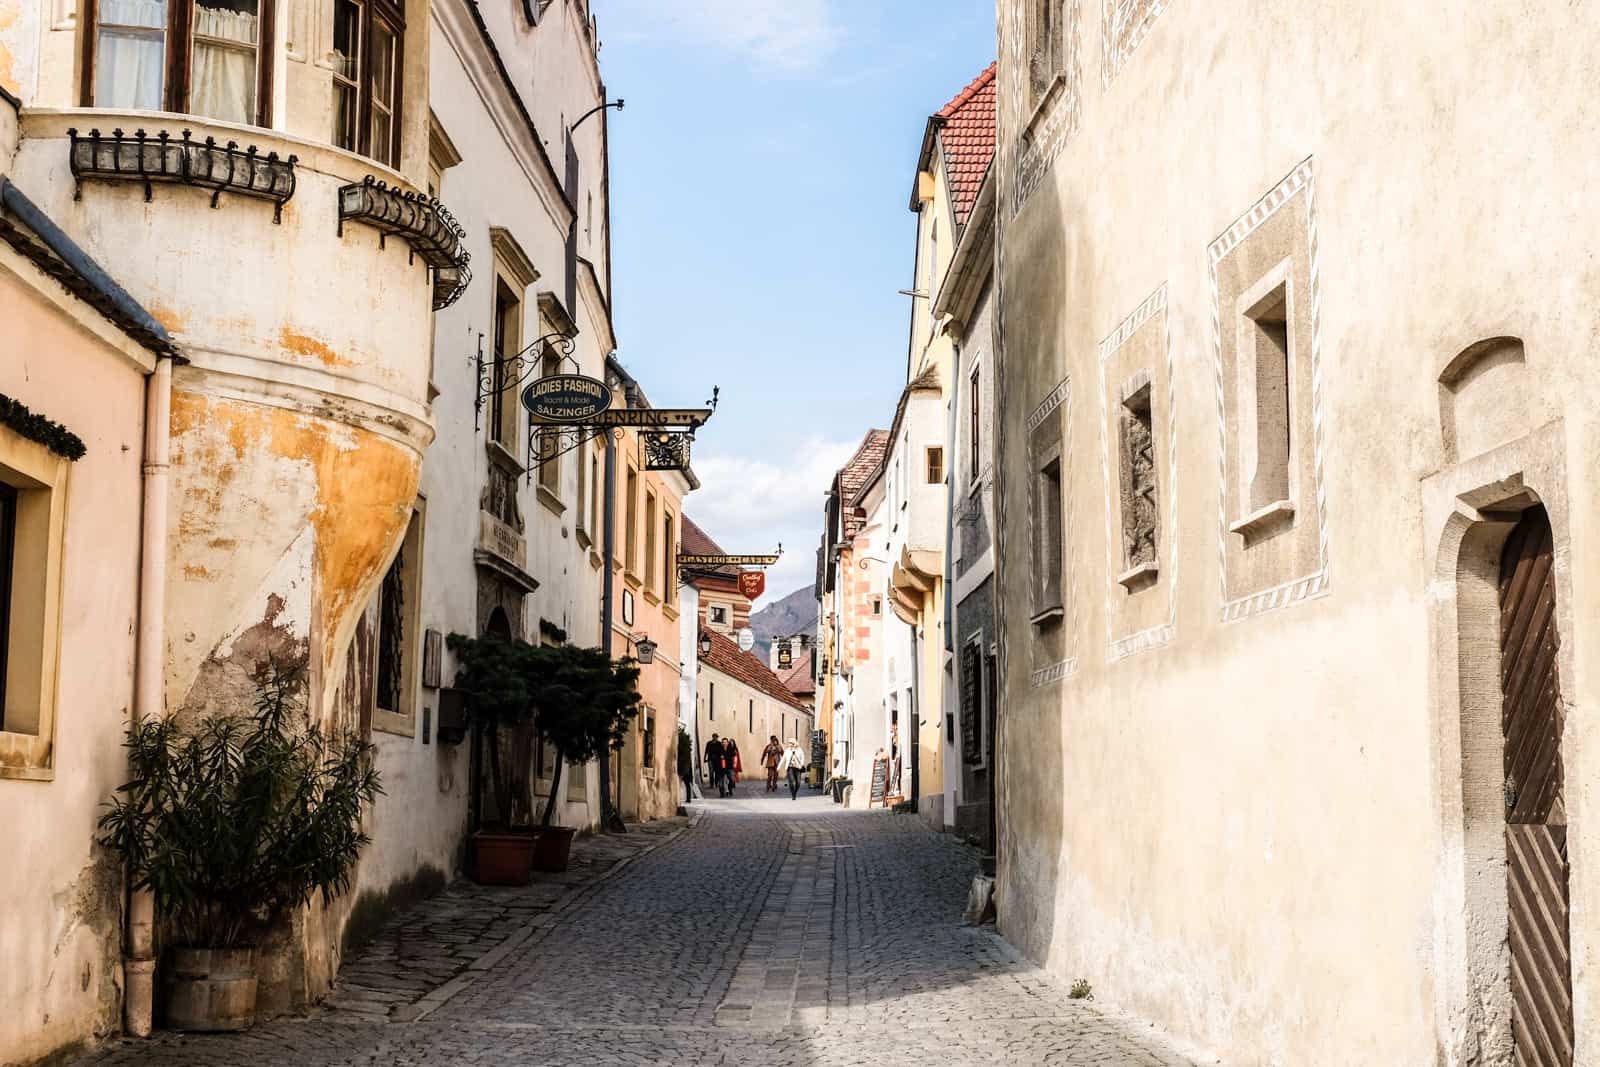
(760, 931)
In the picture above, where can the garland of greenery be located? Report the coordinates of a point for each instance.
(54, 436)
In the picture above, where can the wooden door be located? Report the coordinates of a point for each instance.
(1536, 817)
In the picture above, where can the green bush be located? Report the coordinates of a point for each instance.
(241, 819)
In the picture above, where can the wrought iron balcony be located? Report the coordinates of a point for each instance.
(430, 231)
(182, 160)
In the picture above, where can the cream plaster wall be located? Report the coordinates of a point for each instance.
(737, 705)
(1246, 834)
(61, 936)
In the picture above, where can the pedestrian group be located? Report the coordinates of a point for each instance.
(723, 764)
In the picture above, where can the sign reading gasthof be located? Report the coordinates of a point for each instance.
(566, 398)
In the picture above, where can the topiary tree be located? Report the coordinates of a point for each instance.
(240, 820)
(585, 701)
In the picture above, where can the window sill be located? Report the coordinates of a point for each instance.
(1264, 522)
(1042, 109)
(1139, 577)
(631, 580)
(596, 560)
(669, 611)
(391, 722)
(584, 540)
(502, 457)
(650, 597)
(1046, 617)
(548, 498)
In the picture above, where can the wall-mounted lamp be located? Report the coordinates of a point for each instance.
(705, 643)
(644, 649)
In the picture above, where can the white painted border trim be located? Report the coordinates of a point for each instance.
(1162, 633)
(1302, 177)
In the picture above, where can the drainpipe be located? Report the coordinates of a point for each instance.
(608, 584)
(138, 965)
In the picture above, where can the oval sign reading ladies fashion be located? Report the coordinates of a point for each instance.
(565, 398)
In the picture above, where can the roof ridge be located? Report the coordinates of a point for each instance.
(965, 95)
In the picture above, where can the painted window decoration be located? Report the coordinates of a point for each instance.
(197, 57)
(1046, 50)
(1141, 518)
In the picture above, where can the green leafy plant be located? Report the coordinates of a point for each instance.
(239, 820)
(685, 754)
(585, 702)
(1081, 990)
(497, 674)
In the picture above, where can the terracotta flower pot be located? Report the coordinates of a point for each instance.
(554, 849)
(503, 857)
(211, 989)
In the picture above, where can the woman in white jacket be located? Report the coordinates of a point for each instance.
(792, 764)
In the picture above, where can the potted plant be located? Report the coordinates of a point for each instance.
(497, 676)
(232, 823)
(585, 701)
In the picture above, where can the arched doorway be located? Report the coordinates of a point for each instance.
(1532, 718)
(499, 624)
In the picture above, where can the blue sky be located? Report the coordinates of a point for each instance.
(760, 175)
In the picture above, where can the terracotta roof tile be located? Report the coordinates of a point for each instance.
(798, 680)
(966, 135)
(856, 473)
(743, 667)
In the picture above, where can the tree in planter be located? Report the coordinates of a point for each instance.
(238, 821)
(498, 674)
(585, 701)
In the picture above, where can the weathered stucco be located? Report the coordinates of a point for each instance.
(61, 936)
(1251, 831)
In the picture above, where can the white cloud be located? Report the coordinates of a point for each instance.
(781, 36)
(749, 505)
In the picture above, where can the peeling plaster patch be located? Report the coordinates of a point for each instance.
(305, 345)
(277, 503)
(196, 573)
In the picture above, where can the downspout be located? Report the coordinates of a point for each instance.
(138, 965)
(609, 588)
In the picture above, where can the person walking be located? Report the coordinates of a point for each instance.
(793, 763)
(731, 764)
(769, 759)
(714, 762)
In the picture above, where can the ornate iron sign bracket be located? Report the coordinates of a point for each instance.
(691, 565)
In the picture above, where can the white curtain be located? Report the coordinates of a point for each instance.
(131, 54)
(223, 82)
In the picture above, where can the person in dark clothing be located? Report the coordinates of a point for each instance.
(730, 765)
(714, 763)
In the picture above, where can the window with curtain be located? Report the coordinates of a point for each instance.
(367, 36)
(218, 69)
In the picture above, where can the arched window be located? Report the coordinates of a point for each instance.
(211, 58)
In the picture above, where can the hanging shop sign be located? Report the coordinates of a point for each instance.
(785, 655)
(689, 560)
(653, 417)
(752, 584)
(566, 398)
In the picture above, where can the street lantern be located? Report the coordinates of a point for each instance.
(646, 651)
(705, 643)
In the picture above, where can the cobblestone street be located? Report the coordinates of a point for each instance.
(766, 931)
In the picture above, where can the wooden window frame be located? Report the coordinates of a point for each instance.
(391, 12)
(179, 58)
(403, 720)
(933, 463)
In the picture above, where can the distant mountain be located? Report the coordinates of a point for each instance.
(794, 614)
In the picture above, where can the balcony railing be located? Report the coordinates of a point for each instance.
(181, 160)
(430, 231)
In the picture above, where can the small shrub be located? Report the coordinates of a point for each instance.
(1081, 990)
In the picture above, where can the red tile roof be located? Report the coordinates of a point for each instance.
(967, 136)
(798, 680)
(693, 541)
(856, 473)
(743, 667)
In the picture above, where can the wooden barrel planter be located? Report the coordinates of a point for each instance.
(211, 989)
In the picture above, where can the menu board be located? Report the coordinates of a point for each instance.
(880, 782)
